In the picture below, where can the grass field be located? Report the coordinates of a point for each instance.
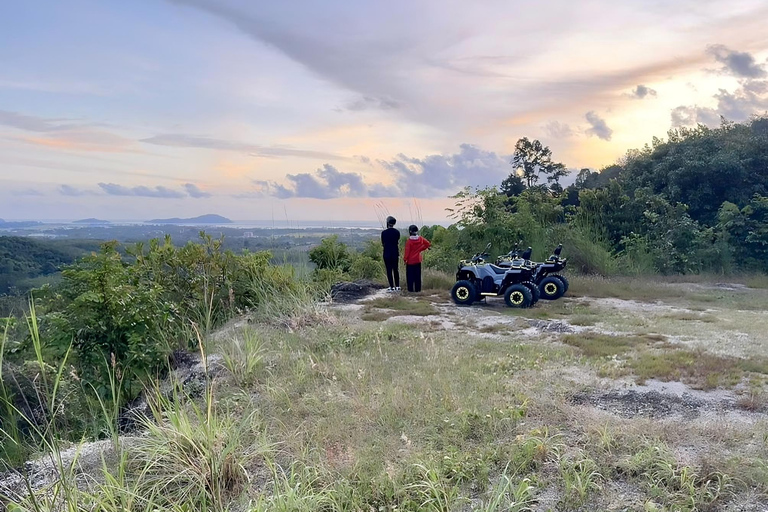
(624, 395)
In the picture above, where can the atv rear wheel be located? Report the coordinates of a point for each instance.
(551, 288)
(564, 280)
(535, 293)
(463, 293)
(518, 296)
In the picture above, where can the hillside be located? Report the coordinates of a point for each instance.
(22, 259)
(618, 397)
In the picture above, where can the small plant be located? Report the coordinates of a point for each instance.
(506, 496)
(432, 492)
(243, 356)
(580, 477)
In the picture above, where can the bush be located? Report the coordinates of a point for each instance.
(331, 254)
(365, 267)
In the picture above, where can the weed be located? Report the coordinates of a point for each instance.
(435, 280)
(433, 492)
(243, 356)
(689, 316)
(579, 477)
(506, 496)
(699, 369)
(602, 345)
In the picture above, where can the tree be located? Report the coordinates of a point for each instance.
(513, 186)
(532, 159)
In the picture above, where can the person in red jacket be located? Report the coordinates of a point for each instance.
(414, 246)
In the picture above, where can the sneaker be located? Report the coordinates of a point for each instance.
(390, 289)
(397, 289)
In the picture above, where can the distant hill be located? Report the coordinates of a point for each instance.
(24, 259)
(202, 219)
(91, 221)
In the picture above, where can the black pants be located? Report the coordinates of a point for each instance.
(393, 271)
(413, 276)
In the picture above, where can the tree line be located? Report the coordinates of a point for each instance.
(695, 202)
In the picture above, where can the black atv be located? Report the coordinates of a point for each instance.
(552, 285)
(477, 279)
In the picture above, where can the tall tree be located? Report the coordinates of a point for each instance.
(532, 159)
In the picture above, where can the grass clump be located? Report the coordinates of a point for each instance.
(243, 356)
(194, 454)
(699, 369)
(602, 345)
(690, 316)
(437, 281)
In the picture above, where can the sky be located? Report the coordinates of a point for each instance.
(343, 109)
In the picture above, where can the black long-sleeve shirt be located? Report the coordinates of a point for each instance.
(389, 239)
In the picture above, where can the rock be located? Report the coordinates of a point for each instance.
(348, 292)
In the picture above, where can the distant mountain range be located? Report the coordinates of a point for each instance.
(202, 219)
(91, 221)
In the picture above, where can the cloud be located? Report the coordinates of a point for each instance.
(66, 136)
(140, 191)
(84, 140)
(740, 105)
(749, 99)
(32, 123)
(68, 190)
(641, 91)
(436, 175)
(558, 130)
(195, 192)
(326, 183)
(691, 116)
(741, 64)
(599, 128)
(190, 141)
(371, 103)
(28, 192)
(431, 176)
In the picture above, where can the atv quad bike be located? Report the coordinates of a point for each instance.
(477, 279)
(552, 285)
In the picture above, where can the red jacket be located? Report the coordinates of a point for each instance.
(414, 246)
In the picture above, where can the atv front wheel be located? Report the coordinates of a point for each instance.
(463, 293)
(535, 293)
(551, 288)
(564, 280)
(518, 296)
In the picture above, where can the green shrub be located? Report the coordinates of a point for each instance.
(331, 254)
(365, 267)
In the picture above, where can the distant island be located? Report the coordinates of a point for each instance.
(91, 221)
(202, 219)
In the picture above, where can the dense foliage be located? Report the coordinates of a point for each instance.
(696, 202)
(116, 317)
(23, 258)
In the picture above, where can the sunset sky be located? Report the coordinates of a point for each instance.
(326, 110)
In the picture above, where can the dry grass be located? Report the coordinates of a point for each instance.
(404, 417)
(699, 369)
(401, 305)
(690, 316)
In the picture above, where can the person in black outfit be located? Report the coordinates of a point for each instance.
(390, 239)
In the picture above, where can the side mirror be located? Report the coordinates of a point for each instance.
(558, 249)
(487, 247)
(527, 254)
